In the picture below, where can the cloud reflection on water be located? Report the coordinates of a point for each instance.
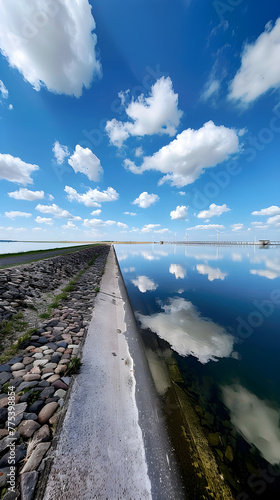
(255, 420)
(144, 284)
(178, 271)
(187, 332)
(210, 272)
(272, 264)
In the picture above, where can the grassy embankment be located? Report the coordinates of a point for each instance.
(8, 329)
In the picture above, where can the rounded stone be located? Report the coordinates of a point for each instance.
(51, 366)
(58, 384)
(43, 434)
(61, 369)
(38, 355)
(30, 348)
(29, 377)
(214, 438)
(54, 419)
(48, 351)
(229, 453)
(36, 407)
(4, 401)
(47, 374)
(30, 416)
(47, 392)
(44, 383)
(27, 428)
(47, 412)
(24, 385)
(40, 362)
(64, 362)
(19, 408)
(56, 358)
(27, 360)
(53, 378)
(60, 393)
(17, 366)
(19, 373)
(3, 415)
(35, 370)
(42, 340)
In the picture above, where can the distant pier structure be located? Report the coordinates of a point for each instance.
(259, 243)
(264, 243)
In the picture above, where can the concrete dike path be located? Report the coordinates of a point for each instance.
(113, 444)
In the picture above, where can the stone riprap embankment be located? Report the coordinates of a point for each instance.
(20, 286)
(35, 382)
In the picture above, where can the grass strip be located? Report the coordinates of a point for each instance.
(14, 348)
(15, 323)
(69, 288)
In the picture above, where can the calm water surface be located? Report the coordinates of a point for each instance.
(217, 311)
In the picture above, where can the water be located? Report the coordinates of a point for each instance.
(216, 311)
(26, 246)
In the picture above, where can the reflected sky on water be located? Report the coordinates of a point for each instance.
(218, 310)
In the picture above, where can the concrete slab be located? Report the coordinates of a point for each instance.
(113, 444)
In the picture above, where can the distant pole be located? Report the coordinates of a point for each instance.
(218, 232)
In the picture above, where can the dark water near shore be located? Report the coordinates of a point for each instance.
(217, 311)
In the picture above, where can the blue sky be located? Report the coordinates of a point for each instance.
(139, 120)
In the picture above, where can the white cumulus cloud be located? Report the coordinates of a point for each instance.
(98, 223)
(156, 114)
(16, 213)
(122, 225)
(51, 43)
(275, 221)
(138, 151)
(93, 197)
(237, 227)
(84, 160)
(56, 211)
(96, 212)
(26, 194)
(60, 152)
(273, 210)
(69, 225)
(44, 220)
(145, 200)
(148, 228)
(185, 159)
(13, 169)
(214, 210)
(4, 93)
(180, 213)
(207, 226)
(260, 68)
